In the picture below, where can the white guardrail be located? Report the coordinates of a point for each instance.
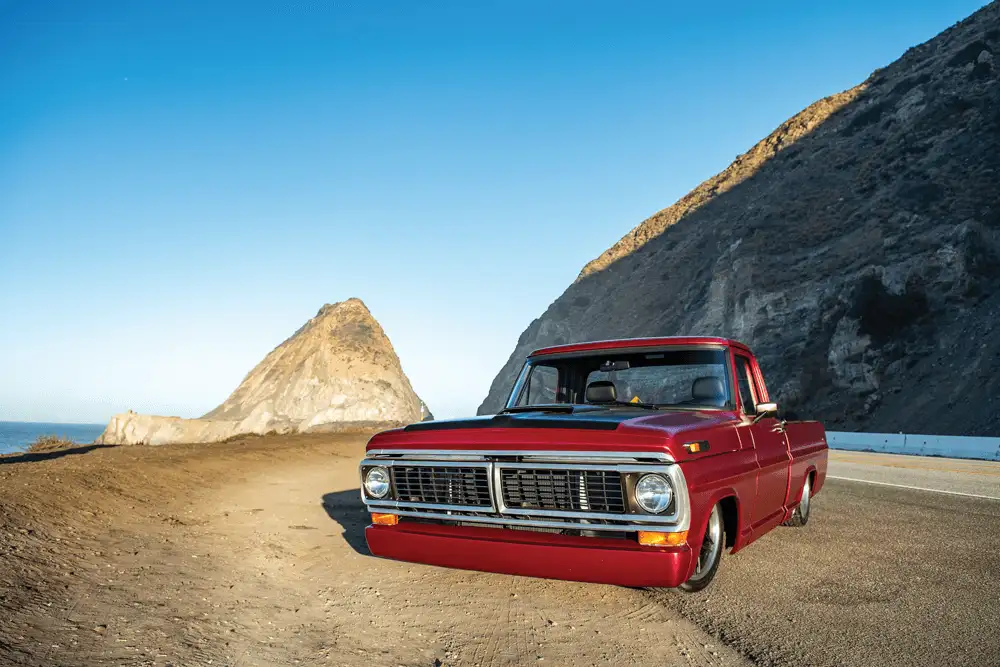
(951, 446)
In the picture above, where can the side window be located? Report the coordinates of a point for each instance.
(748, 390)
(542, 386)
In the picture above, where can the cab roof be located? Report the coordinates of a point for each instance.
(667, 341)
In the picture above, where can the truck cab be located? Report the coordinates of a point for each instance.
(636, 462)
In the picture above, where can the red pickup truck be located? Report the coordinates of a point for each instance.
(633, 462)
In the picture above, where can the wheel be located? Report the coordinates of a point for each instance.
(710, 555)
(800, 516)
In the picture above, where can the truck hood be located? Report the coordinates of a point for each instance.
(595, 420)
(618, 429)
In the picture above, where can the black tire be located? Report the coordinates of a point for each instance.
(712, 547)
(800, 516)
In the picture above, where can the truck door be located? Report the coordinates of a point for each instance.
(770, 446)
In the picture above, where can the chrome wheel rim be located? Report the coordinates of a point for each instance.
(804, 503)
(711, 546)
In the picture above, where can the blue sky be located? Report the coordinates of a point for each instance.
(183, 184)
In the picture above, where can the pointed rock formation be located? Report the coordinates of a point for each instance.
(338, 368)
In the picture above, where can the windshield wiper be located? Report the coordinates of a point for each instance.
(569, 408)
(629, 404)
(565, 407)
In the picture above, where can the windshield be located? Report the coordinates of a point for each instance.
(693, 379)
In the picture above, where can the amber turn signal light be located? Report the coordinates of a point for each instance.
(651, 539)
(384, 519)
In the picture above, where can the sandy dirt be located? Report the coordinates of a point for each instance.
(252, 553)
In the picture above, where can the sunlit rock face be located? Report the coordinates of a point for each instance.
(856, 249)
(338, 368)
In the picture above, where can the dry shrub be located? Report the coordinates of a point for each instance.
(49, 443)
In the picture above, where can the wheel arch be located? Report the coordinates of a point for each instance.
(732, 517)
(810, 477)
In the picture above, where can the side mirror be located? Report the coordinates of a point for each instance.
(765, 409)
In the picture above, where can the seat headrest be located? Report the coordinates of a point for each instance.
(708, 388)
(601, 391)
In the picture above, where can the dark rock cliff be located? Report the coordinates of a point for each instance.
(856, 249)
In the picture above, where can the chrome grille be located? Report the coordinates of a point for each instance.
(515, 489)
(451, 485)
(560, 489)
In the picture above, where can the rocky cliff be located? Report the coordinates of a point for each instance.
(338, 368)
(856, 249)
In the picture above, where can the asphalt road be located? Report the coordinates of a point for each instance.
(957, 476)
(881, 575)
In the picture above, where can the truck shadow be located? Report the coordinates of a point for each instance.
(346, 508)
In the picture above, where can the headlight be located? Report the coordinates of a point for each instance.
(653, 493)
(377, 482)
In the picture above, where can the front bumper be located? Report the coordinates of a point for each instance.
(532, 554)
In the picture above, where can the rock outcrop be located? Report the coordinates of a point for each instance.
(856, 249)
(339, 368)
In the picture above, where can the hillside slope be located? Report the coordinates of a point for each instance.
(856, 249)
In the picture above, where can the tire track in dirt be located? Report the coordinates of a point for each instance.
(235, 578)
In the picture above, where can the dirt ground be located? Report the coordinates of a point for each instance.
(252, 553)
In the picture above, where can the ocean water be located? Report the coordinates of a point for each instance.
(17, 436)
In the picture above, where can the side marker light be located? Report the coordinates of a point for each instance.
(651, 539)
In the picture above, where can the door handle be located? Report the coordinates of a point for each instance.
(778, 428)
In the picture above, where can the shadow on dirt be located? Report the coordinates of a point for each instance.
(346, 508)
(29, 457)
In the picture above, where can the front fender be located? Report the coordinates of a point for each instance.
(701, 513)
(713, 479)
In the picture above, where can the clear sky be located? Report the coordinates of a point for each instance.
(183, 184)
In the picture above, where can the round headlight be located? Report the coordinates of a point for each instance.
(653, 493)
(377, 482)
